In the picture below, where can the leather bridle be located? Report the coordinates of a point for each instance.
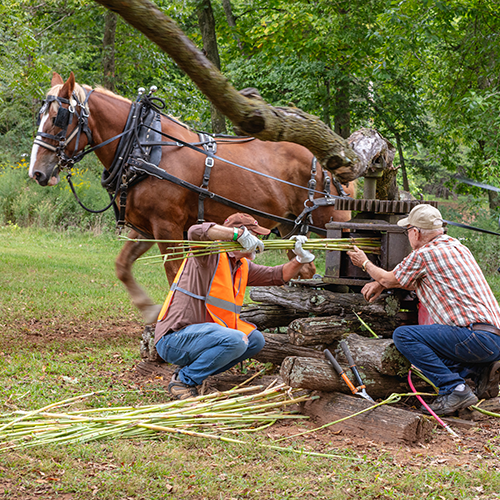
(63, 120)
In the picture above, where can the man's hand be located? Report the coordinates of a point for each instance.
(303, 256)
(358, 257)
(372, 290)
(250, 242)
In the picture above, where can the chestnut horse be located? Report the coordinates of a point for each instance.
(160, 208)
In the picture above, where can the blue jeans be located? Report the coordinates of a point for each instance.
(207, 349)
(447, 355)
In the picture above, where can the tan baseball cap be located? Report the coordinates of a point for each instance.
(239, 219)
(423, 216)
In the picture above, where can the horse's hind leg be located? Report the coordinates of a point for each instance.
(123, 265)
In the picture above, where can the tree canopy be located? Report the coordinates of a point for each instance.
(423, 73)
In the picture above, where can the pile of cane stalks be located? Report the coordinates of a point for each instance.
(180, 249)
(214, 416)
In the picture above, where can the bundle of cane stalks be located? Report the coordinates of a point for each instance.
(214, 416)
(180, 249)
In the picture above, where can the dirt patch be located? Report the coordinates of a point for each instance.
(477, 446)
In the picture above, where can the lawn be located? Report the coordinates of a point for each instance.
(69, 329)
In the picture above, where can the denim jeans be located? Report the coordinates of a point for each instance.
(447, 355)
(207, 349)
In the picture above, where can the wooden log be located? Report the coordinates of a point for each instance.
(379, 354)
(314, 301)
(329, 329)
(320, 330)
(278, 347)
(385, 423)
(386, 311)
(147, 347)
(318, 374)
(265, 316)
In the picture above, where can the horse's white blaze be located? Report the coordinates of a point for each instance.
(36, 147)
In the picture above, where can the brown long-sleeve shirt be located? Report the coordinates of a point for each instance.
(185, 310)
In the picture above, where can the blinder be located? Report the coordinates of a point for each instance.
(62, 120)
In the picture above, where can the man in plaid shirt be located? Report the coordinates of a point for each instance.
(464, 341)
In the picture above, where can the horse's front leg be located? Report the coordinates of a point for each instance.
(123, 265)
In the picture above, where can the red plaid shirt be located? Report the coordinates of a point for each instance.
(449, 283)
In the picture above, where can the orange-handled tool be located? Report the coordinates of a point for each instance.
(340, 371)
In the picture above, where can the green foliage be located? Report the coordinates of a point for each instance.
(450, 47)
(25, 203)
(485, 247)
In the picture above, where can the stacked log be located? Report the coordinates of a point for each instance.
(298, 323)
(384, 315)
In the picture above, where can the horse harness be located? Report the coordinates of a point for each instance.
(139, 153)
(63, 119)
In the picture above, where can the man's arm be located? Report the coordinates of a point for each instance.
(224, 233)
(291, 269)
(383, 279)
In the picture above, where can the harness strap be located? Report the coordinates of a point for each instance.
(210, 146)
(149, 168)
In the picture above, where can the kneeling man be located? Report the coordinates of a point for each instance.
(464, 342)
(199, 327)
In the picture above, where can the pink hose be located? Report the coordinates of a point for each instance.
(444, 424)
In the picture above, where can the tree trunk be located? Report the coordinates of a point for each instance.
(406, 184)
(342, 112)
(108, 51)
(251, 116)
(387, 186)
(494, 200)
(231, 21)
(327, 103)
(206, 22)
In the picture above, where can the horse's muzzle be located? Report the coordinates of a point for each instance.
(44, 180)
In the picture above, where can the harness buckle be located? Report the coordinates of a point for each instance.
(209, 162)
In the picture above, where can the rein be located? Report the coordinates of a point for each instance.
(130, 167)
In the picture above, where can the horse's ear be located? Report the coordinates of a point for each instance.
(56, 79)
(68, 87)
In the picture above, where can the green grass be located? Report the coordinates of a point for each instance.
(88, 341)
(69, 275)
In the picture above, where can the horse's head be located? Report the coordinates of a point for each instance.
(62, 118)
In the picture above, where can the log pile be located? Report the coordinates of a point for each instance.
(298, 323)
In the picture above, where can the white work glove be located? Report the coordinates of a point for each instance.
(303, 256)
(250, 242)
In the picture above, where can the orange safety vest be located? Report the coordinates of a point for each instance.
(223, 306)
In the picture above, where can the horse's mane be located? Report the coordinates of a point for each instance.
(80, 93)
(107, 92)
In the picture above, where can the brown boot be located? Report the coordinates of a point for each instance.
(179, 390)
